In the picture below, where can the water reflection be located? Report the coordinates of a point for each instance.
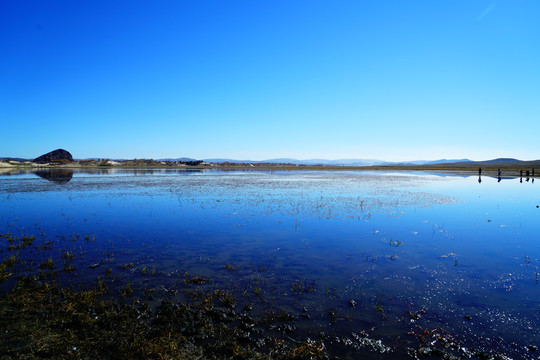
(97, 171)
(59, 176)
(395, 244)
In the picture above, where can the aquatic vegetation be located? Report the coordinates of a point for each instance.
(68, 255)
(188, 279)
(413, 316)
(47, 264)
(126, 290)
(310, 349)
(103, 288)
(89, 238)
(18, 243)
(440, 343)
(282, 316)
(4, 273)
(11, 261)
(69, 268)
(300, 286)
(125, 331)
(330, 290)
(225, 297)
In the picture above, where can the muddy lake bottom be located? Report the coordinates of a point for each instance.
(268, 264)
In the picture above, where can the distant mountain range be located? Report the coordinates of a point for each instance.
(325, 162)
(13, 159)
(371, 162)
(343, 162)
(352, 162)
(339, 162)
(501, 162)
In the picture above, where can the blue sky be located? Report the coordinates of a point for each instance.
(380, 79)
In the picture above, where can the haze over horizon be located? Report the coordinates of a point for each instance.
(386, 80)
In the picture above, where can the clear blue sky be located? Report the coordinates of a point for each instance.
(390, 80)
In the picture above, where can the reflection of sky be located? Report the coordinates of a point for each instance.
(481, 218)
(448, 237)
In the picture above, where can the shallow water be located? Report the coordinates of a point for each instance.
(464, 253)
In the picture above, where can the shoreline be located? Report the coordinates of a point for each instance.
(512, 171)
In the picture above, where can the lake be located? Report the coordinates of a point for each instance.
(369, 264)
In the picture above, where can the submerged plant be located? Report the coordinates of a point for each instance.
(12, 260)
(300, 286)
(69, 268)
(225, 297)
(47, 264)
(67, 255)
(126, 290)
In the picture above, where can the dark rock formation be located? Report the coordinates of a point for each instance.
(58, 155)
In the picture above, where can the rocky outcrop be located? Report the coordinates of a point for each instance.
(58, 155)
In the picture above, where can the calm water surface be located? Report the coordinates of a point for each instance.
(356, 251)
